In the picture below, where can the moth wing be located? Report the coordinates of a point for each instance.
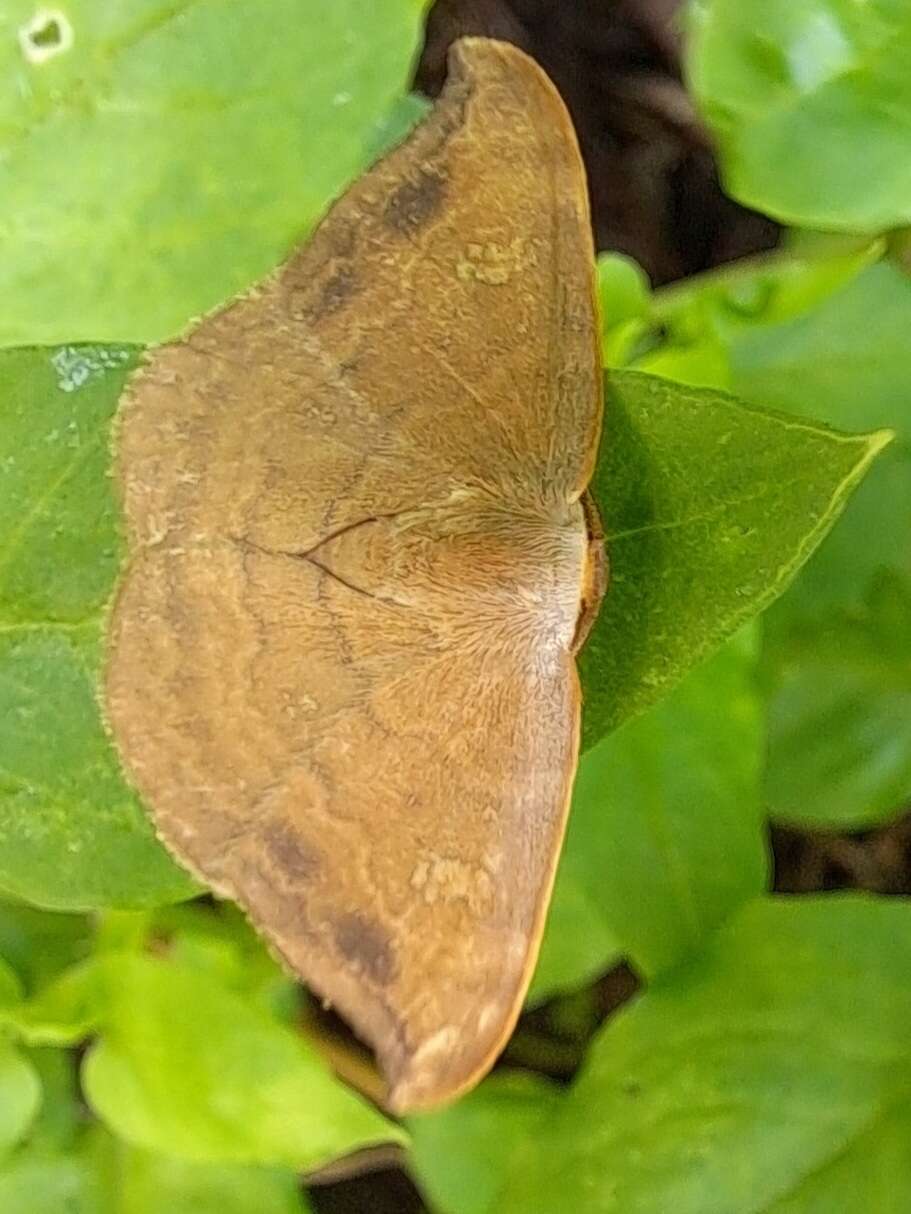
(388, 812)
(439, 328)
(386, 807)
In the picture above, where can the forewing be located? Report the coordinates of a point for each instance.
(467, 255)
(439, 330)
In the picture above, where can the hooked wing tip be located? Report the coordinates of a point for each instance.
(480, 60)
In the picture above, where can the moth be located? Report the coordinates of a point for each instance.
(362, 558)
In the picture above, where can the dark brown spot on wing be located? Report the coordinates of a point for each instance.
(255, 884)
(414, 203)
(339, 288)
(364, 943)
(291, 857)
(317, 299)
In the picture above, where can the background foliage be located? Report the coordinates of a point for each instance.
(152, 1056)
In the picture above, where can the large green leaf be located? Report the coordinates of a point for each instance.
(709, 510)
(666, 832)
(833, 363)
(156, 158)
(145, 1183)
(838, 650)
(772, 1074)
(459, 1154)
(98, 1175)
(838, 646)
(186, 1067)
(72, 835)
(810, 103)
(840, 710)
(795, 332)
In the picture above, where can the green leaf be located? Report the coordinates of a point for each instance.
(666, 832)
(65, 1012)
(39, 944)
(837, 656)
(794, 331)
(835, 365)
(187, 1068)
(460, 1154)
(145, 1183)
(840, 712)
(623, 289)
(742, 1082)
(579, 942)
(220, 940)
(819, 360)
(810, 104)
(873, 1173)
(99, 1175)
(72, 835)
(10, 987)
(396, 124)
(709, 509)
(37, 1181)
(20, 1095)
(695, 325)
(217, 942)
(166, 156)
(626, 308)
(61, 1116)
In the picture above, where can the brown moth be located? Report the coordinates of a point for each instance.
(341, 669)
